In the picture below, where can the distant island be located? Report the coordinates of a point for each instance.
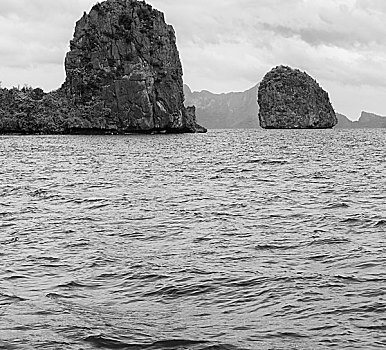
(366, 120)
(239, 110)
(233, 110)
(123, 75)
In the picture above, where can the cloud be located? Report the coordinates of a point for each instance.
(230, 45)
(34, 40)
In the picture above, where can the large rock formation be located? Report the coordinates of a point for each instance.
(123, 74)
(124, 55)
(232, 110)
(291, 99)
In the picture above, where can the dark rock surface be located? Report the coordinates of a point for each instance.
(232, 110)
(291, 99)
(123, 74)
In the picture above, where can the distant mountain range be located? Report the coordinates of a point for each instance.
(366, 120)
(239, 110)
(233, 110)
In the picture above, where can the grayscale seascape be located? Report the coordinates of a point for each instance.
(239, 239)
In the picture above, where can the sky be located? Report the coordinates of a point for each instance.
(224, 45)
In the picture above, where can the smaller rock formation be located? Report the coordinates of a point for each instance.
(291, 99)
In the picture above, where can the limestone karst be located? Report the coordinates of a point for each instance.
(123, 74)
(291, 99)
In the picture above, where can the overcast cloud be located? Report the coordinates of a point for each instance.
(225, 45)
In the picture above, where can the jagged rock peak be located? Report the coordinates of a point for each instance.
(291, 99)
(123, 62)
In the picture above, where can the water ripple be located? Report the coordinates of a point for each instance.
(231, 240)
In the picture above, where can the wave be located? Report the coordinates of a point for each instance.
(6, 299)
(170, 344)
(181, 291)
(340, 205)
(10, 241)
(247, 238)
(267, 161)
(380, 223)
(329, 241)
(273, 246)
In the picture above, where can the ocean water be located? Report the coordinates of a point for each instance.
(243, 239)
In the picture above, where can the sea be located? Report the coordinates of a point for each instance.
(230, 240)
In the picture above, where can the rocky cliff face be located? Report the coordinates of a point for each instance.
(291, 99)
(124, 56)
(232, 110)
(123, 74)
